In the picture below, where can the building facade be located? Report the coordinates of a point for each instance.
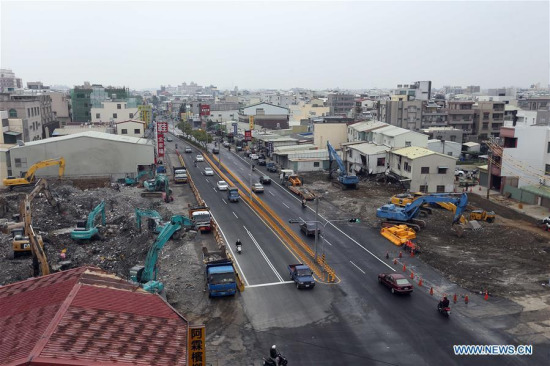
(8, 81)
(461, 116)
(24, 110)
(117, 111)
(488, 119)
(266, 116)
(340, 104)
(404, 114)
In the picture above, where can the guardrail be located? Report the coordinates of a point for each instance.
(301, 249)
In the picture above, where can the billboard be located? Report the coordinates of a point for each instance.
(248, 135)
(251, 122)
(162, 128)
(196, 350)
(234, 129)
(205, 110)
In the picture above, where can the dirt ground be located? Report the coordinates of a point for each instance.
(510, 257)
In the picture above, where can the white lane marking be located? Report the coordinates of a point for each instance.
(224, 201)
(284, 204)
(231, 250)
(271, 193)
(207, 179)
(214, 189)
(264, 255)
(357, 267)
(235, 214)
(328, 242)
(271, 284)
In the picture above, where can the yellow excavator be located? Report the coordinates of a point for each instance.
(29, 177)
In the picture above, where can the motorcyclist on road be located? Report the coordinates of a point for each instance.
(195, 163)
(176, 146)
(304, 202)
(238, 243)
(443, 303)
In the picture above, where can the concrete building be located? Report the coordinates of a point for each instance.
(266, 115)
(488, 119)
(461, 116)
(422, 170)
(304, 110)
(444, 133)
(8, 81)
(434, 115)
(362, 131)
(130, 128)
(86, 154)
(419, 90)
(404, 114)
(539, 104)
(117, 111)
(282, 100)
(84, 97)
(224, 111)
(395, 137)
(60, 108)
(366, 158)
(340, 103)
(336, 133)
(449, 148)
(24, 110)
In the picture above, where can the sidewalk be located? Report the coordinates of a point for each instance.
(534, 211)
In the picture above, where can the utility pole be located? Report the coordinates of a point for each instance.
(490, 156)
(316, 225)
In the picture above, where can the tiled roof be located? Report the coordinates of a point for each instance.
(86, 316)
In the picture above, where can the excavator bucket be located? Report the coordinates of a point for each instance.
(398, 234)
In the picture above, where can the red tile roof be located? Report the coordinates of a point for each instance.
(85, 316)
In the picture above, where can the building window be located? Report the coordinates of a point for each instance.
(136, 131)
(381, 162)
(20, 162)
(124, 131)
(131, 115)
(316, 164)
(453, 138)
(450, 153)
(118, 106)
(28, 112)
(442, 170)
(98, 115)
(548, 148)
(425, 170)
(115, 115)
(423, 189)
(13, 113)
(440, 189)
(407, 143)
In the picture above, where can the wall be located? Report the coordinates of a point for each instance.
(268, 109)
(433, 179)
(336, 133)
(86, 156)
(109, 109)
(130, 126)
(449, 148)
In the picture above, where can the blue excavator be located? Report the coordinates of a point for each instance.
(156, 223)
(86, 229)
(396, 215)
(344, 180)
(131, 181)
(146, 275)
(158, 187)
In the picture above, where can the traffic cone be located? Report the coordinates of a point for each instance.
(466, 299)
(412, 275)
(486, 297)
(412, 252)
(395, 261)
(404, 268)
(454, 298)
(420, 283)
(431, 291)
(400, 254)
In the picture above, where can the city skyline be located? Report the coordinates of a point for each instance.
(274, 45)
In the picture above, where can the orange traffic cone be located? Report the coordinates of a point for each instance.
(420, 283)
(400, 254)
(404, 268)
(431, 291)
(412, 275)
(412, 252)
(486, 297)
(466, 299)
(454, 298)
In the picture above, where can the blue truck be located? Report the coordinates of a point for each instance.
(220, 278)
(302, 275)
(233, 194)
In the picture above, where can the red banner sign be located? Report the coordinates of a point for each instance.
(248, 135)
(205, 110)
(162, 127)
(160, 145)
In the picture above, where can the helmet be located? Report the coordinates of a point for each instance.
(444, 297)
(274, 347)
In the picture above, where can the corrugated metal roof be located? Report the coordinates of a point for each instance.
(413, 152)
(368, 148)
(88, 316)
(93, 134)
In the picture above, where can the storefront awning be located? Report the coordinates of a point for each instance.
(537, 190)
(13, 133)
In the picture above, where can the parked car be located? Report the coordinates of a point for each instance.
(308, 228)
(261, 156)
(239, 148)
(199, 158)
(188, 150)
(271, 167)
(208, 171)
(264, 179)
(215, 150)
(226, 144)
(257, 188)
(459, 172)
(169, 139)
(222, 185)
(254, 156)
(261, 161)
(396, 282)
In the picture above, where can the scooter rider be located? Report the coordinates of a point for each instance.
(238, 243)
(443, 303)
(304, 202)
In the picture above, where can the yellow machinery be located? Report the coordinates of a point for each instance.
(29, 176)
(404, 198)
(482, 215)
(294, 180)
(398, 234)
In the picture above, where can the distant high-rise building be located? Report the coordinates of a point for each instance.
(84, 97)
(340, 103)
(419, 90)
(471, 89)
(36, 85)
(8, 81)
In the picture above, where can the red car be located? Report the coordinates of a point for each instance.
(396, 282)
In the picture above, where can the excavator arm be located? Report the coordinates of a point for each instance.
(39, 258)
(150, 272)
(30, 174)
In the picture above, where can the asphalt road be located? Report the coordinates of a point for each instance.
(354, 322)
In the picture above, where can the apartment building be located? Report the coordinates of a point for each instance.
(461, 116)
(488, 119)
(117, 111)
(539, 104)
(60, 108)
(24, 116)
(340, 103)
(266, 115)
(404, 114)
(8, 81)
(419, 90)
(84, 97)
(444, 133)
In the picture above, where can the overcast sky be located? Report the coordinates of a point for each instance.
(275, 44)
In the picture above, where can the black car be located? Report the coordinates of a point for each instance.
(261, 161)
(271, 167)
(261, 156)
(264, 179)
(308, 228)
(215, 150)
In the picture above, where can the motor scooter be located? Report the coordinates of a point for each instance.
(239, 248)
(445, 311)
(281, 361)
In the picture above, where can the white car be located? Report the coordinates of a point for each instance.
(459, 172)
(222, 185)
(199, 158)
(208, 171)
(169, 139)
(254, 156)
(257, 188)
